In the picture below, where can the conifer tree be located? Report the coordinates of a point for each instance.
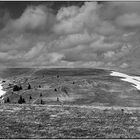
(29, 86)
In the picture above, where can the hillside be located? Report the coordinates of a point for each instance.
(71, 86)
(69, 103)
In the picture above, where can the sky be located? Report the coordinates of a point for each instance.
(70, 34)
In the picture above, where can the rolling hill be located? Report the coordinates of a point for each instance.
(72, 86)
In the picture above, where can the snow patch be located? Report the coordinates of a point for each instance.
(134, 80)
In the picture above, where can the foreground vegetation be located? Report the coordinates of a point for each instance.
(43, 121)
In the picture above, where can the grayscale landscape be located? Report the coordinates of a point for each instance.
(69, 70)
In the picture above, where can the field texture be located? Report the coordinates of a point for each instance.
(68, 103)
(26, 121)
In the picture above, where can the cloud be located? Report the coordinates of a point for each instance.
(74, 19)
(33, 18)
(129, 20)
(91, 35)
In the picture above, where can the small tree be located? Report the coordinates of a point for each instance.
(16, 88)
(20, 87)
(40, 94)
(57, 99)
(8, 100)
(39, 86)
(41, 102)
(21, 100)
(29, 86)
(30, 97)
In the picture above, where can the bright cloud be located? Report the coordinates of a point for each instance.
(91, 35)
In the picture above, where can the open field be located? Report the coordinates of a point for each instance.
(72, 86)
(69, 103)
(34, 121)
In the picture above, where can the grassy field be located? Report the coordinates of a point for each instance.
(84, 108)
(72, 86)
(44, 121)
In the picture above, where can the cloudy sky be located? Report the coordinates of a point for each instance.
(70, 34)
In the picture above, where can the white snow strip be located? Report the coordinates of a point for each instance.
(2, 92)
(134, 80)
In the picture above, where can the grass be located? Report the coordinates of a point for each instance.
(38, 121)
(80, 90)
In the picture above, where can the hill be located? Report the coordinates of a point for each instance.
(70, 86)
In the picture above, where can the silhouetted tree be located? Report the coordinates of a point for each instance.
(21, 100)
(57, 99)
(122, 110)
(39, 86)
(55, 89)
(30, 97)
(16, 88)
(29, 86)
(7, 100)
(41, 102)
(40, 94)
(20, 87)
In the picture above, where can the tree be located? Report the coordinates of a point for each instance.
(39, 86)
(20, 87)
(8, 100)
(40, 94)
(29, 86)
(30, 97)
(16, 88)
(41, 102)
(21, 100)
(57, 99)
